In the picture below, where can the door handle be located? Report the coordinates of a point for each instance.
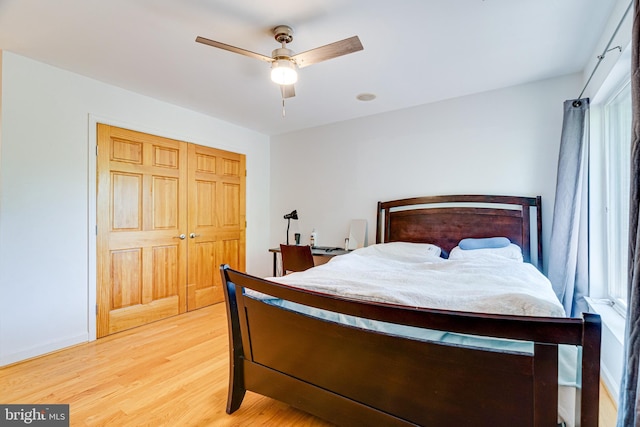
(194, 235)
(181, 237)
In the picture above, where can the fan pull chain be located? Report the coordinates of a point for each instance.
(284, 113)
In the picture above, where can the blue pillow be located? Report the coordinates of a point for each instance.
(488, 242)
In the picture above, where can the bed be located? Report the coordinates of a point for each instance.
(293, 343)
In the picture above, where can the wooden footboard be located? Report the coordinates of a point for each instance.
(352, 376)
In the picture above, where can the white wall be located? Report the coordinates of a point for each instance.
(47, 195)
(500, 142)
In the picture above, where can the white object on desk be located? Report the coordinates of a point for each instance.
(357, 233)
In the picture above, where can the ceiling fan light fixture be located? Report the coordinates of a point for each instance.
(283, 72)
(285, 63)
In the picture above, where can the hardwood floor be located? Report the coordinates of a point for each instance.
(170, 373)
(608, 410)
(173, 372)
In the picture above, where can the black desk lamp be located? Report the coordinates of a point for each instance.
(289, 217)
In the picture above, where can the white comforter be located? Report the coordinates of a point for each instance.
(397, 274)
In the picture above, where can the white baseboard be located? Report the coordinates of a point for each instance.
(610, 382)
(19, 356)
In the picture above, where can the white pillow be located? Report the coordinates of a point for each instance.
(509, 252)
(402, 251)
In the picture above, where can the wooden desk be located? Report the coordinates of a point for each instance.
(316, 252)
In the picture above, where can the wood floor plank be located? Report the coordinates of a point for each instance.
(168, 373)
(608, 410)
(173, 372)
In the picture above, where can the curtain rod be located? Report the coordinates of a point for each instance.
(608, 48)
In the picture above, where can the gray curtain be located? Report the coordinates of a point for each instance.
(568, 250)
(628, 406)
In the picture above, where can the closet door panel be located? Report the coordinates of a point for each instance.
(216, 215)
(142, 205)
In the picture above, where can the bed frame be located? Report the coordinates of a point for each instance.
(354, 377)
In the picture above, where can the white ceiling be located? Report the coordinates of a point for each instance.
(415, 51)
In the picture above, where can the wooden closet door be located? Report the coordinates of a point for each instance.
(217, 221)
(142, 205)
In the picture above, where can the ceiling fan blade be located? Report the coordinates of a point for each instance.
(288, 91)
(332, 50)
(234, 49)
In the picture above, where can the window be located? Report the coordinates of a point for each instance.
(617, 145)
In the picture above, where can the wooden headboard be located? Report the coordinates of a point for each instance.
(445, 220)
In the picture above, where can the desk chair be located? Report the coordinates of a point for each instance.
(296, 258)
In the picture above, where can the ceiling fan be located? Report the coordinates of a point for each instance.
(284, 62)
